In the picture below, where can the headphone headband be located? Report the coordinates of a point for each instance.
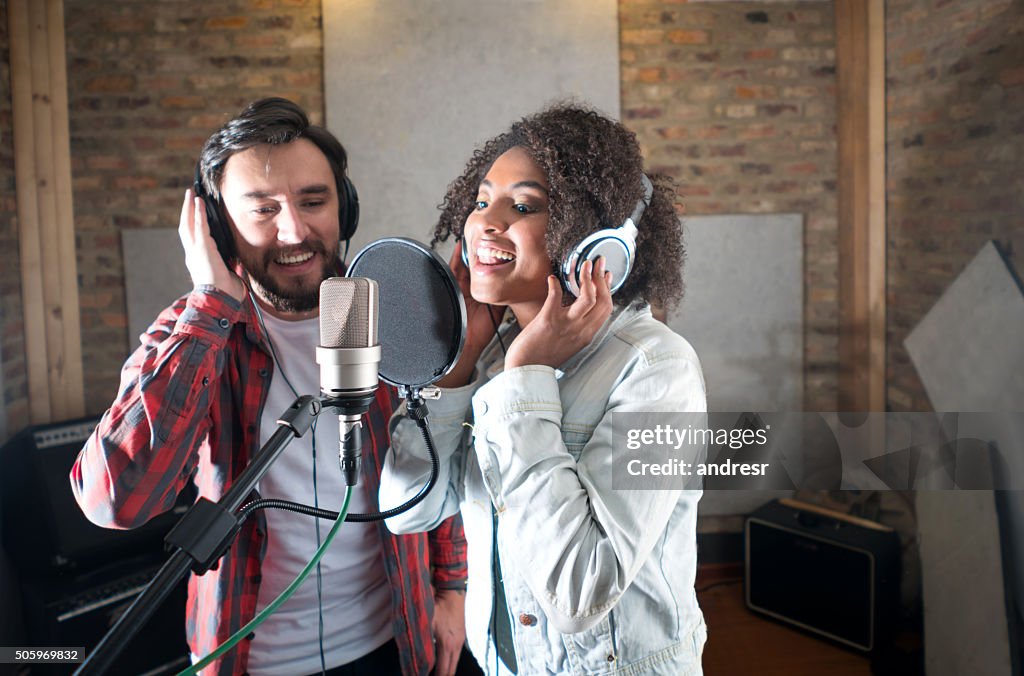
(643, 202)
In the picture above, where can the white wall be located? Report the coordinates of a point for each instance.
(412, 87)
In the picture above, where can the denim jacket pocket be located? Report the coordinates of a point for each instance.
(592, 651)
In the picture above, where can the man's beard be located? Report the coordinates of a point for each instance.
(293, 296)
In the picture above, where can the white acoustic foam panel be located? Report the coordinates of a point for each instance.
(969, 353)
(969, 348)
(743, 309)
(743, 313)
(154, 276)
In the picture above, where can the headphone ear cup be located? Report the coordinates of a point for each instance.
(217, 223)
(613, 245)
(220, 232)
(348, 202)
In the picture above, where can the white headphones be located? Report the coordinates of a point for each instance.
(616, 245)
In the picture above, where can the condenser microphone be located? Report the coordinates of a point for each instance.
(349, 357)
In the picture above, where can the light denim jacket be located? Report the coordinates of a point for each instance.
(598, 580)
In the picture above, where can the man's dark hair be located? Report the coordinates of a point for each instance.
(269, 121)
(593, 166)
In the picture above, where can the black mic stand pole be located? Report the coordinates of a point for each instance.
(201, 537)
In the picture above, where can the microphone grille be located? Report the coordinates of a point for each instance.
(348, 312)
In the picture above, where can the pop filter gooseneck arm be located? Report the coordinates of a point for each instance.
(201, 537)
(417, 411)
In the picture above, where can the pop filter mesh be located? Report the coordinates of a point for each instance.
(422, 315)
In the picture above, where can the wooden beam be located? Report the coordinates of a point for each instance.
(877, 219)
(30, 252)
(46, 234)
(860, 69)
(72, 401)
(47, 203)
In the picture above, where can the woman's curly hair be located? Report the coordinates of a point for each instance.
(593, 166)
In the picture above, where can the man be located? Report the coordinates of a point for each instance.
(202, 394)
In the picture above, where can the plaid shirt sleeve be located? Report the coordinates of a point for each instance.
(146, 447)
(448, 554)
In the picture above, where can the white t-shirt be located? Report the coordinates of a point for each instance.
(357, 610)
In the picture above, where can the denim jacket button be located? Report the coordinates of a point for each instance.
(527, 620)
(610, 658)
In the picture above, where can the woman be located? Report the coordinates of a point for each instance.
(566, 573)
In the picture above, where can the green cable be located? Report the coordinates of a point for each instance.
(276, 603)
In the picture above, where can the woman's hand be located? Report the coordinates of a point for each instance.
(481, 320)
(558, 332)
(449, 630)
(201, 256)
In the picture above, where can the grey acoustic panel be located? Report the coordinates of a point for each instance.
(154, 276)
(743, 309)
(962, 584)
(969, 353)
(743, 313)
(411, 88)
(969, 348)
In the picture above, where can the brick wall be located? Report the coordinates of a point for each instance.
(736, 100)
(148, 82)
(955, 156)
(12, 341)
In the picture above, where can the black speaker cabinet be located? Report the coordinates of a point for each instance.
(828, 573)
(78, 611)
(76, 578)
(44, 530)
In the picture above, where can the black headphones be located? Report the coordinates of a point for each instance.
(216, 216)
(616, 245)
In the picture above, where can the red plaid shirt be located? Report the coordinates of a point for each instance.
(189, 408)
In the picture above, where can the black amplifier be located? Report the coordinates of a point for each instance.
(78, 611)
(831, 574)
(43, 527)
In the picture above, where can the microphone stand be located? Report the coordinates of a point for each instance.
(201, 537)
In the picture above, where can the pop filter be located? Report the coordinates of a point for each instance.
(422, 320)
